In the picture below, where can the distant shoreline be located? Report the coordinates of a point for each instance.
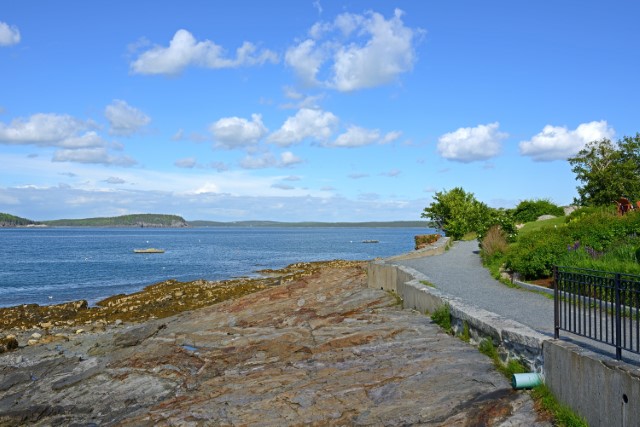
(256, 224)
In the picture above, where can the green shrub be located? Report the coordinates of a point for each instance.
(530, 210)
(586, 211)
(442, 317)
(535, 254)
(500, 218)
(599, 230)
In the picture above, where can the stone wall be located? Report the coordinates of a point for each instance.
(513, 340)
(602, 390)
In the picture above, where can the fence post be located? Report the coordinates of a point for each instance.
(556, 304)
(618, 316)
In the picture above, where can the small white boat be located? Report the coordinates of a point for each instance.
(149, 251)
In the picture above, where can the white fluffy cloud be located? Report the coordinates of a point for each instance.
(307, 123)
(358, 51)
(306, 59)
(42, 129)
(467, 145)
(268, 160)
(356, 136)
(236, 132)
(124, 119)
(560, 143)
(184, 51)
(9, 35)
(72, 136)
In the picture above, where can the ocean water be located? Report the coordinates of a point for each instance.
(54, 265)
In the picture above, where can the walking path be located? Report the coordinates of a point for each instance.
(459, 273)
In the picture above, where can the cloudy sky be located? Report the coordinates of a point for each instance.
(303, 110)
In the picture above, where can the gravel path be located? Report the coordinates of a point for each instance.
(459, 272)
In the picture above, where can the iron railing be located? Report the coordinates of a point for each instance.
(598, 305)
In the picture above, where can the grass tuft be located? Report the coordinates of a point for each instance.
(442, 317)
(562, 414)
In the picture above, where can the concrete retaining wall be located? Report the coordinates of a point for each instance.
(603, 391)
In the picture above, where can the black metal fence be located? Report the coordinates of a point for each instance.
(598, 305)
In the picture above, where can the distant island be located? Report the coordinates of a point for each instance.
(368, 224)
(137, 220)
(175, 221)
(7, 220)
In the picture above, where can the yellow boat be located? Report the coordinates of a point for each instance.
(149, 251)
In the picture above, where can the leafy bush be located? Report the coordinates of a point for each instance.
(530, 210)
(620, 258)
(498, 217)
(601, 229)
(535, 254)
(594, 238)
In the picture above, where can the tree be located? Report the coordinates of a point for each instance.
(608, 171)
(456, 212)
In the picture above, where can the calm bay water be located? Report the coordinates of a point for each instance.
(53, 265)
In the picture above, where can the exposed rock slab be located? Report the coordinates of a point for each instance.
(321, 350)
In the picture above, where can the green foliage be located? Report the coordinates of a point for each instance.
(537, 225)
(585, 211)
(487, 348)
(535, 253)
(594, 238)
(465, 335)
(442, 317)
(138, 220)
(7, 220)
(459, 214)
(427, 283)
(562, 414)
(608, 171)
(513, 366)
(530, 210)
(455, 212)
(503, 219)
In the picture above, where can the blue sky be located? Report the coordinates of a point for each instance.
(304, 110)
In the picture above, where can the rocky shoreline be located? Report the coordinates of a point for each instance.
(31, 324)
(308, 346)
